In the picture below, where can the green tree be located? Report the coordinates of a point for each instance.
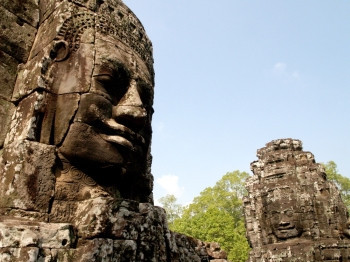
(216, 215)
(172, 208)
(343, 183)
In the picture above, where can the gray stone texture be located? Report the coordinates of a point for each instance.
(6, 112)
(292, 212)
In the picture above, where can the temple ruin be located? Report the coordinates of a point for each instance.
(292, 212)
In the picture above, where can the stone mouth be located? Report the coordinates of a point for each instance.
(286, 232)
(119, 140)
(118, 134)
(286, 228)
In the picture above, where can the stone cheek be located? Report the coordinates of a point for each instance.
(291, 210)
(73, 74)
(66, 108)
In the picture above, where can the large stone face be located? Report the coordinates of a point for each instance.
(292, 212)
(76, 96)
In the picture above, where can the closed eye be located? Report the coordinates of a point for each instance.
(146, 94)
(112, 80)
(104, 84)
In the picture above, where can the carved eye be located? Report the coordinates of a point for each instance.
(289, 212)
(112, 83)
(146, 94)
(104, 85)
(274, 212)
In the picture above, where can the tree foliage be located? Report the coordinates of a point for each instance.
(216, 215)
(343, 183)
(173, 210)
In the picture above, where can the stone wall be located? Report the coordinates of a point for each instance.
(19, 23)
(292, 212)
(130, 232)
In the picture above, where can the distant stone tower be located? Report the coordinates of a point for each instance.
(292, 212)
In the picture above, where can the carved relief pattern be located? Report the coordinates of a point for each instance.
(79, 175)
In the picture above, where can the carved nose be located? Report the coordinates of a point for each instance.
(130, 111)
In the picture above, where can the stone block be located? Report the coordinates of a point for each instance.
(98, 216)
(99, 249)
(125, 250)
(16, 233)
(6, 111)
(28, 78)
(27, 176)
(67, 105)
(8, 71)
(28, 254)
(16, 36)
(27, 119)
(26, 10)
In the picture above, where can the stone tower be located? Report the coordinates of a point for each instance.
(292, 212)
(76, 95)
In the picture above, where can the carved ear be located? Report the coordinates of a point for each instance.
(60, 51)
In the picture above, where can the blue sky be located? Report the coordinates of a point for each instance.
(233, 75)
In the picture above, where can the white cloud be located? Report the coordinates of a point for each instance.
(295, 75)
(281, 69)
(170, 184)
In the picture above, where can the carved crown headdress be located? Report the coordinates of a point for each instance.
(110, 17)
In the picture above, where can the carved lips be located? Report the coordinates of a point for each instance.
(286, 231)
(121, 135)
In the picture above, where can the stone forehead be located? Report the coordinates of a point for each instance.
(111, 18)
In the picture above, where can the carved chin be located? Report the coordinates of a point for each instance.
(83, 145)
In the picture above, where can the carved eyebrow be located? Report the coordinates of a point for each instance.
(113, 64)
(113, 68)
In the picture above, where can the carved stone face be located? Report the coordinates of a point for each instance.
(284, 220)
(111, 127)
